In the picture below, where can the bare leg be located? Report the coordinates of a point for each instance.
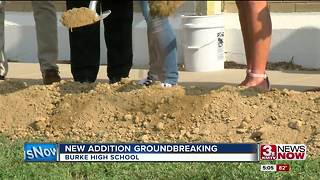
(256, 26)
(242, 8)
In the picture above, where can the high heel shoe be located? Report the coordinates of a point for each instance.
(264, 76)
(247, 75)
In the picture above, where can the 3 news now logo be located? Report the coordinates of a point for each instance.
(283, 152)
(40, 152)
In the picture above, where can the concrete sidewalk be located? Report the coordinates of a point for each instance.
(296, 80)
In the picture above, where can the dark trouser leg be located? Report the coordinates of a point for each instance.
(84, 48)
(118, 37)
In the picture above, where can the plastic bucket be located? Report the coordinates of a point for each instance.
(203, 43)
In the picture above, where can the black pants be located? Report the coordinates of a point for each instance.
(85, 42)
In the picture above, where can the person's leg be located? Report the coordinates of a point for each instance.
(155, 66)
(162, 47)
(84, 48)
(118, 37)
(257, 25)
(242, 8)
(3, 60)
(47, 38)
(168, 51)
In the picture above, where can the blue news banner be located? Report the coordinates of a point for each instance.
(140, 152)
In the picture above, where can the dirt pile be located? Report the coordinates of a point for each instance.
(127, 112)
(78, 17)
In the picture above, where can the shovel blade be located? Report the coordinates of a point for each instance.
(105, 14)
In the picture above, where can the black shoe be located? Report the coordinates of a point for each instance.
(85, 81)
(50, 76)
(114, 80)
(2, 78)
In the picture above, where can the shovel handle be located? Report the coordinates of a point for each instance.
(93, 5)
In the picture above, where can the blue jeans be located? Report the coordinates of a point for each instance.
(162, 46)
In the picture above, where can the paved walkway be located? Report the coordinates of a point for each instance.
(297, 80)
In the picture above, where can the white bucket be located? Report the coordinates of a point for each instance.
(203, 43)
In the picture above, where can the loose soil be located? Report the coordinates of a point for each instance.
(78, 17)
(127, 112)
(164, 8)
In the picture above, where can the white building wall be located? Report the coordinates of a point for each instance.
(295, 36)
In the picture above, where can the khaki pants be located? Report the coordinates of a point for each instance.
(46, 28)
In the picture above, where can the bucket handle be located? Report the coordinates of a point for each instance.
(199, 47)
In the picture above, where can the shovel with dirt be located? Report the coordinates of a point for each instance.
(78, 17)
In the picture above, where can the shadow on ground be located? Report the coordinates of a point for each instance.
(12, 85)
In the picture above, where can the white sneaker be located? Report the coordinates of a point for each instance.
(146, 82)
(167, 85)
